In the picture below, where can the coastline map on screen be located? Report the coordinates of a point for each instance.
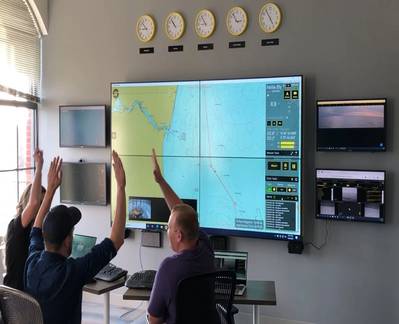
(232, 146)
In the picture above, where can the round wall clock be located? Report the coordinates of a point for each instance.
(145, 28)
(270, 17)
(174, 26)
(236, 21)
(205, 23)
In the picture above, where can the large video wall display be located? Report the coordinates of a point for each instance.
(230, 148)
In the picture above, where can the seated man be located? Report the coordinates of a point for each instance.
(194, 254)
(55, 280)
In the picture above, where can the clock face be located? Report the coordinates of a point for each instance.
(204, 23)
(236, 21)
(174, 26)
(145, 28)
(270, 17)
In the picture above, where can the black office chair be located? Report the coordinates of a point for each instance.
(195, 300)
(225, 285)
(206, 298)
(18, 307)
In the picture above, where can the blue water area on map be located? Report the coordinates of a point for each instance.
(182, 174)
(233, 117)
(232, 190)
(182, 138)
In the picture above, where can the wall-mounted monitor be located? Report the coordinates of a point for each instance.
(232, 146)
(82, 126)
(351, 195)
(84, 183)
(351, 125)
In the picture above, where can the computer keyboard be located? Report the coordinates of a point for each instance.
(239, 290)
(141, 280)
(110, 273)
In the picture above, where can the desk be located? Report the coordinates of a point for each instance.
(257, 293)
(103, 287)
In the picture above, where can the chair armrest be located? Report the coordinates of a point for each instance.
(234, 310)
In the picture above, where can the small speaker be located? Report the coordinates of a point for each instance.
(295, 247)
(151, 238)
(219, 242)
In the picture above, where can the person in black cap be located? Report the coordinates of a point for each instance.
(55, 280)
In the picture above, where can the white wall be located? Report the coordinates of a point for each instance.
(344, 49)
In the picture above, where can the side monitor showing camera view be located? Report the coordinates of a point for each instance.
(351, 125)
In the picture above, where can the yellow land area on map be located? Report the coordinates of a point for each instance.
(140, 118)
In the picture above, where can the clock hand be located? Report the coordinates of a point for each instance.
(270, 18)
(144, 26)
(173, 22)
(203, 20)
(235, 17)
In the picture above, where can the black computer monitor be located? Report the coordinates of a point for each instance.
(352, 195)
(235, 261)
(351, 125)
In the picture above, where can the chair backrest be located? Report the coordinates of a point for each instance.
(195, 300)
(225, 285)
(18, 307)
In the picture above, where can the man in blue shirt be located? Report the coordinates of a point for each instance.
(193, 254)
(55, 280)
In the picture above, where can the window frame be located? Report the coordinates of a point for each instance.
(34, 107)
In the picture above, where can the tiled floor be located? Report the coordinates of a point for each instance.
(92, 313)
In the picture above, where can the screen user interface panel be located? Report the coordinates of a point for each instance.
(350, 195)
(233, 146)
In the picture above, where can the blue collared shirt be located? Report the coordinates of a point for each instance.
(56, 282)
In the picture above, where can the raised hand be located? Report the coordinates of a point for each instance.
(170, 196)
(35, 196)
(119, 170)
(38, 157)
(156, 169)
(54, 176)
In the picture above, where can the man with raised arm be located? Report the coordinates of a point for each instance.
(17, 238)
(193, 253)
(55, 280)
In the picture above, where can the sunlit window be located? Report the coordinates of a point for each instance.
(17, 144)
(20, 61)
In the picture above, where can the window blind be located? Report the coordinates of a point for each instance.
(19, 51)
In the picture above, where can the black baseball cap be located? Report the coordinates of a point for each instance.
(59, 222)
